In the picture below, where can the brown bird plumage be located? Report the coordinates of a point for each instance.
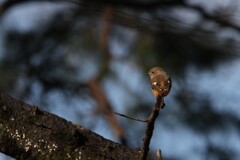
(160, 82)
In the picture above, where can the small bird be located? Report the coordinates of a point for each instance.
(160, 82)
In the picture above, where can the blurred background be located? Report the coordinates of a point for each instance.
(84, 60)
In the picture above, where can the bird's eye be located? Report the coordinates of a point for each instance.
(152, 72)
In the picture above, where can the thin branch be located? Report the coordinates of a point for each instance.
(212, 17)
(94, 84)
(106, 31)
(144, 5)
(150, 127)
(106, 108)
(131, 118)
(138, 5)
(159, 154)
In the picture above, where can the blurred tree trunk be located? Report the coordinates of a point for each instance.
(27, 132)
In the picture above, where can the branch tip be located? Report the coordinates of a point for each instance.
(131, 118)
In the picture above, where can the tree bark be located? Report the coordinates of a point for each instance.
(27, 132)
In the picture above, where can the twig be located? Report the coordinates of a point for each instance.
(128, 117)
(150, 127)
(159, 154)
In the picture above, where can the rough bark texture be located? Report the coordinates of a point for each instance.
(27, 132)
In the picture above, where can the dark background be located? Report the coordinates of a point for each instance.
(58, 54)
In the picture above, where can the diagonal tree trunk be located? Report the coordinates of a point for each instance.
(27, 132)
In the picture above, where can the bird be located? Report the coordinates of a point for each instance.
(160, 82)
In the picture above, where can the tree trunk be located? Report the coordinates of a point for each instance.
(27, 132)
